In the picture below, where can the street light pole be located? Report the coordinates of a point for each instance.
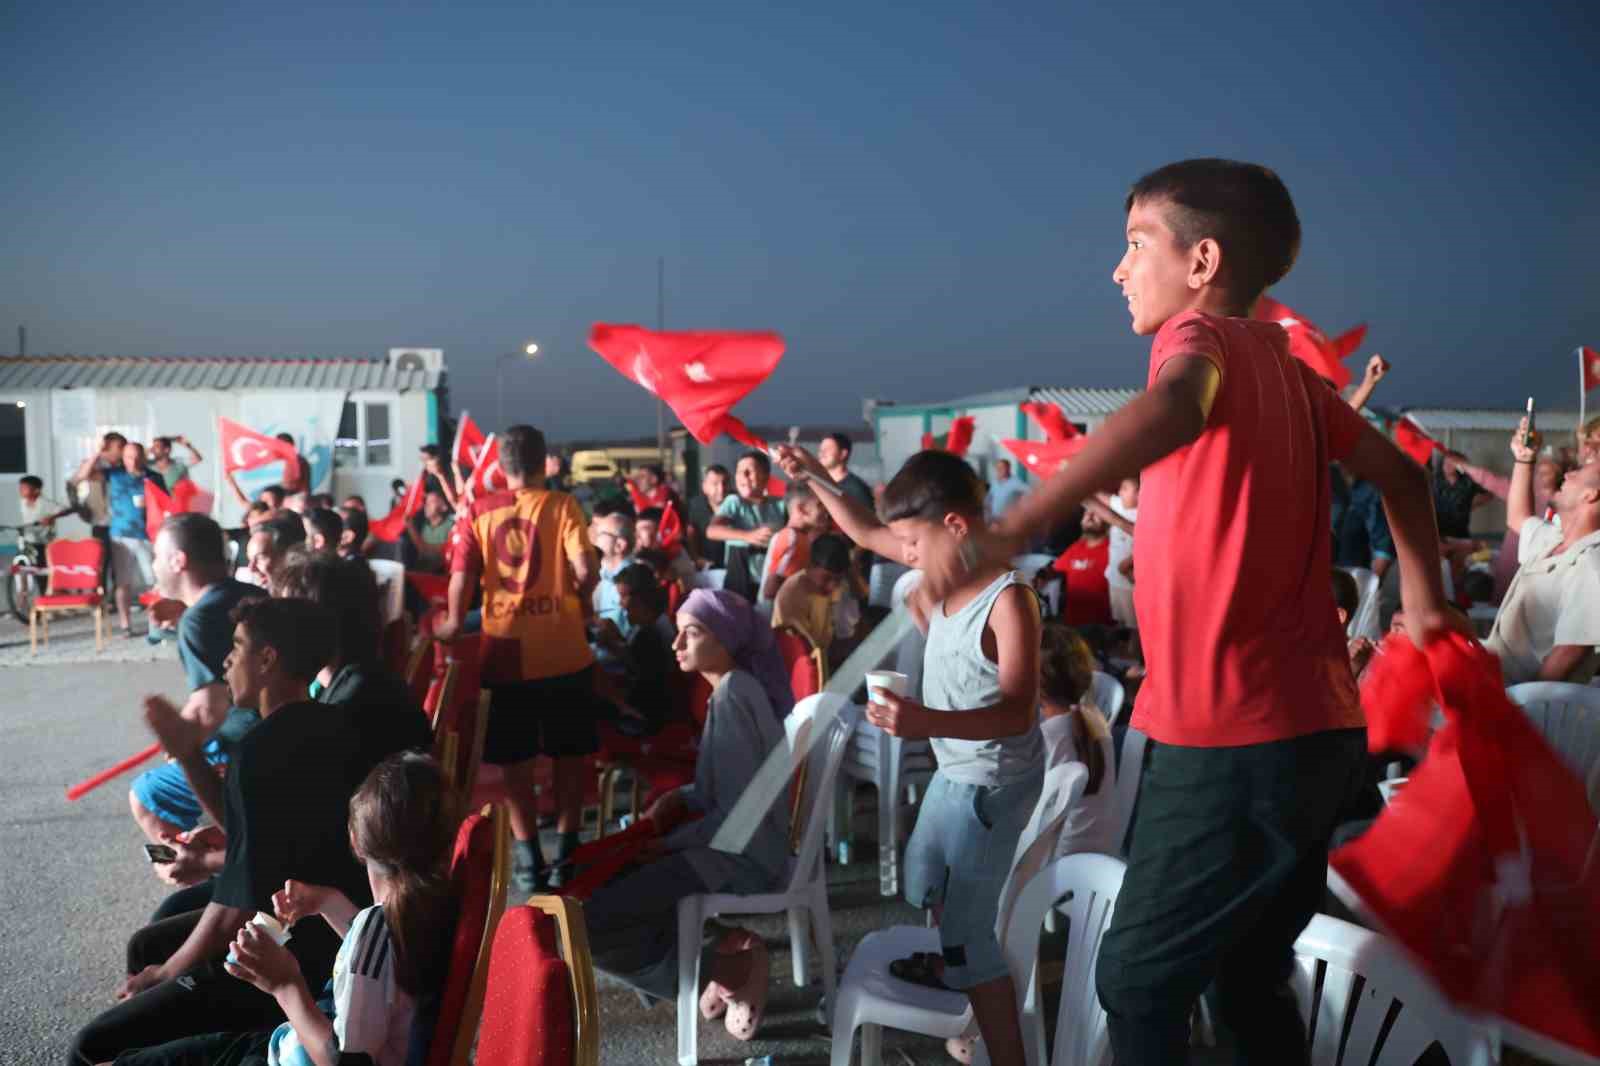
(528, 352)
(661, 324)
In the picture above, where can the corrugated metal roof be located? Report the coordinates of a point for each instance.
(1084, 403)
(134, 372)
(1439, 419)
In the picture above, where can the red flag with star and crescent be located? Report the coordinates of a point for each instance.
(487, 476)
(1051, 420)
(467, 448)
(392, 526)
(1589, 359)
(956, 441)
(245, 449)
(1042, 458)
(1415, 442)
(700, 374)
(1309, 344)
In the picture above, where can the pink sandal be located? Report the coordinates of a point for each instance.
(714, 1001)
(746, 1005)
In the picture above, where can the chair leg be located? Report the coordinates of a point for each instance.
(822, 929)
(603, 786)
(888, 819)
(690, 925)
(871, 1045)
(799, 945)
(33, 631)
(99, 624)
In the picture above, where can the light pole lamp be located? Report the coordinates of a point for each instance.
(529, 352)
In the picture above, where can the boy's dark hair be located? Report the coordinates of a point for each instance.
(1244, 207)
(430, 450)
(931, 485)
(276, 492)
(716, 468)
(106, 440)
(651, 514)
(301, 632)
(200, 538)
(841, 442)
(323, 499)
(832, 553)
(349, 590)
(656, 559)
(355, 520)
(522, 451)
(761, 459)
(287, 438)
(1066, 674)
(165, 442)
(31, 481)
(656, 469)
(1346, 594)
(328, 523)
(360, 500)
(640, 580)
(613, 505)
(287, 530)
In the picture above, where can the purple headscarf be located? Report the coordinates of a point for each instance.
(748, 638)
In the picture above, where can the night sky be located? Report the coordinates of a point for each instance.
(925, 199)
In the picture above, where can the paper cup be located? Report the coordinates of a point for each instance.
(269, 925)
(893, 680)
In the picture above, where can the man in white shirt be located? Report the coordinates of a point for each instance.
(1005, 491)
(1549, 622)
(1119, 568)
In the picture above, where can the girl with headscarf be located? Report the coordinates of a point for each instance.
(632, 920)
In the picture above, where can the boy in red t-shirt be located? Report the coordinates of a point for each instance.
(1249, 702)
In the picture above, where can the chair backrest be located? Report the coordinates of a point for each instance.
(708, 579)
(904, 585)
(1090, 884)
(391, 577)
(74, 565)
(1364, 623)
(881, 580)
(1129, 770)
(807, 669)
(418, 672)
(1031, 563)
(479, 870)
(1568, 717)
(1365, 1003)
(1108, 694)
(542, 1008)
(1062, 789)
(822, 753)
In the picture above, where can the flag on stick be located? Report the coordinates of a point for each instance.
(245, 449)
(1309, 344)
(392, 526)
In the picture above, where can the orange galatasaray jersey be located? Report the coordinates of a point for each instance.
(519, 545)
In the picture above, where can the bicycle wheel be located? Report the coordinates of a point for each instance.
(19, 593)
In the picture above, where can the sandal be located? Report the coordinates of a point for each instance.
(714, 1001)
(919, 969)
(962, 1049)
(745, 1006)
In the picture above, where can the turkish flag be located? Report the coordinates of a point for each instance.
(487, 477)
(957, 441)
(700, 375)
(1044, 458)
(1415, 442)
(670, 531)
(1309, 344)
(469, 442)
(1480, 864)
(392, 526)
(1590, 360)
(245, 449)
(1050, 419)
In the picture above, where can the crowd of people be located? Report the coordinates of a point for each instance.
(1204, 542)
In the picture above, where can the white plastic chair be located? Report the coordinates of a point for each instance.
(804, 896)
(881, 580)
(1348, 980)
(1108, 695)
(1031, 564)
(1364, 623)
(870, 999)
(1129, 770)
(1568, 717)
(707, 579)
(391, 577)
(1092, 883)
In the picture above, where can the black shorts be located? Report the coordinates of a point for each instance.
(552, 716)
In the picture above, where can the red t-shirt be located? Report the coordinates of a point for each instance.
(1235, 607)
(1086, 595)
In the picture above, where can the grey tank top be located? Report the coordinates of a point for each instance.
(957, 676)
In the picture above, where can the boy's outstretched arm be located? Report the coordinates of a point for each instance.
(1155, 424)
(1408, 503)
(853, 520)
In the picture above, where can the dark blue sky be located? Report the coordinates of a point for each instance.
(925, 199)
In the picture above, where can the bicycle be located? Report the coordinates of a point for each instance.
(27, 573)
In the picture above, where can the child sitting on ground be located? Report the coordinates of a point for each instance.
(402, 826)
(979, 707)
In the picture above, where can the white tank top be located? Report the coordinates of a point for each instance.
(957, 676)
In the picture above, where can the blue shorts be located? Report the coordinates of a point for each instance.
(959, 857)
(165, 791)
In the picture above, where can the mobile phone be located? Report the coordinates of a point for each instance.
(1530, 414)
(160, 853)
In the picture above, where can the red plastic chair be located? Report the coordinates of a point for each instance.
(74, 586)
(806, 664)
(542, 1007)
(479, 870)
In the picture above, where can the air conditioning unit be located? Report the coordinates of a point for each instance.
(417, 359)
